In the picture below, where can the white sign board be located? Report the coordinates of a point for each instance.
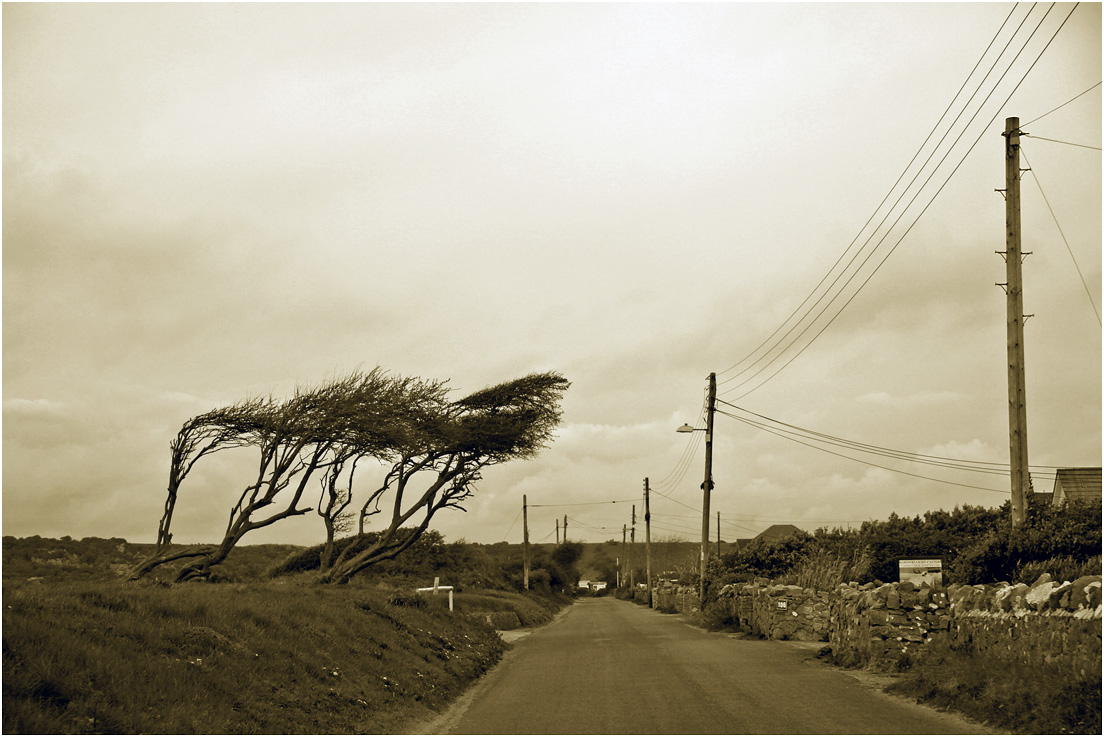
(921, 570)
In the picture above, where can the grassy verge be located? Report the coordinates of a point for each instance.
(1003, 694)
(275, 658)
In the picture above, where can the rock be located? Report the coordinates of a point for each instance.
(1093, 592)
(1039, 594)
(1002, 599)
(1079, 595)
(1054, 601)
(1045, 578)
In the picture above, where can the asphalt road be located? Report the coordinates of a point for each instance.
(610, 667)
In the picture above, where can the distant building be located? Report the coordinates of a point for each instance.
(769, 535)
(779, 532)
(1076, 484)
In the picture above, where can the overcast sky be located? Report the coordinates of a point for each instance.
(209, 202)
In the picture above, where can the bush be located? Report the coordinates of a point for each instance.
(975, 544)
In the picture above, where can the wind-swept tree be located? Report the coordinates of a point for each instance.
(443, 450)
(229, 427)
(332, 506)
(315, 431)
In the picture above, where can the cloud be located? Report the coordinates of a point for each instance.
(204, 203)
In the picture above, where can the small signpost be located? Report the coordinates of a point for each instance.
(438, 587)
(921, 570)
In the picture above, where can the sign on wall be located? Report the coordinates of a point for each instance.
(921, 570)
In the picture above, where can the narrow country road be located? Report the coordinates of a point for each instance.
(611, 667)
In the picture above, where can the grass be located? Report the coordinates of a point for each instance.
(1004, 694)
(85, 651)
(116, 657)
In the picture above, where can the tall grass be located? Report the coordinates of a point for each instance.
(825, 570)
(112, 657)
(1004, 693)
(1061, 568)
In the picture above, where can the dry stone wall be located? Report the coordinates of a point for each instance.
(1046, 623)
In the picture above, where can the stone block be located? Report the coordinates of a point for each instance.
(1093, 591)
(1040, 592)
(1079, 596)
(1043, 579)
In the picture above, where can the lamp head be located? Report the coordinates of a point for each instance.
(685, 428)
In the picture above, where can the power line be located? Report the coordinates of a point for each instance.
(915, 220)
(1067, 102)
(583, 504)
(965, 465)
(674, 476)
(992, 467)
(512, 526)
(958, 139)
(761, 426)
(872, 215)
(1054, 140)
(1062, 233)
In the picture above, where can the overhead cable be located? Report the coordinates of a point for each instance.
(781, 434)
(1039, 184)
(1067, 102)
(873, 214)
(839, 293)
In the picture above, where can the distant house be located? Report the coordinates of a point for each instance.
(769, 535)
(1076, 484)
(778, 532)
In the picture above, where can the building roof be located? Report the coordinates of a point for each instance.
(1076, 483)
(777, 532)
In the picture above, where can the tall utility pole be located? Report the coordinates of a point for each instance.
(624, 533)
(565, 528)
(718, 534)
(648, 538)
(557, 530)
(707, 484)
(1013, 259)
(525, 543)
(632, 551)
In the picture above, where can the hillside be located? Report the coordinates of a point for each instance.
(88, 652)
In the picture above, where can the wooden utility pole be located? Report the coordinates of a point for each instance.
(565, 528)
(624, 534)
(648, 539)
(707, 484)
(632, 551)
(557, 530)
(718, 534)
(525, 543)
(1013, 259)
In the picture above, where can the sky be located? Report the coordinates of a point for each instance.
(208, 202)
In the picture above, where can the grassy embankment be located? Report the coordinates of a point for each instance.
(88, 653)
(1004, 695)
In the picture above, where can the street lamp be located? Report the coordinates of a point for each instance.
(707, 484)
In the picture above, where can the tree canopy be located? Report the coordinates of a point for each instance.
(435, 449)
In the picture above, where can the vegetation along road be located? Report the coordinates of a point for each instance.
(610, 667)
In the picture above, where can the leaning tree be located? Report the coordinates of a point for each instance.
(315, 432)
(442, 451)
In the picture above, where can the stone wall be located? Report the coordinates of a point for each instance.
(775, 611)
(672, 597)
(1047, 622)
(884, 625)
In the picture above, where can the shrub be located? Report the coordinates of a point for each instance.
(975, 544)
(410, 600)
